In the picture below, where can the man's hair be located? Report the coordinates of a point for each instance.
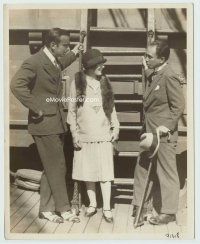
(162, 49)
(53, 35)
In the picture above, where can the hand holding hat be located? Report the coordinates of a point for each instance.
(151, 141)
(163, 130)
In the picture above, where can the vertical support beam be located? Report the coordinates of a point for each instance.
(150, 26)
(85, 26)
(150, 36)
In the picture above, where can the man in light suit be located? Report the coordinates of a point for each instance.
(163, 106)
(36, 82)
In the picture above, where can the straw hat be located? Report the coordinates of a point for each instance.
(150, 142)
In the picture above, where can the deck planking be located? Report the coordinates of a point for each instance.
(24, 218)
(25, 208)
(81, 226)
(106, 227)
(49, 227)
(129, 227)
(121, 218)
(15, 194)
(36, 225)
(20, 201)
(27, 220)
(94, 222)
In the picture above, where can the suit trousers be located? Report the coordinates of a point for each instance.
(164, 183)
(53, 189)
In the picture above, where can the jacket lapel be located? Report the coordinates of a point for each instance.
(152, 87)
(155, 80)
(48, 66)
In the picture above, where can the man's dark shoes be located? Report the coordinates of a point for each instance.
(91, 211)
(142, 216)
(162, 219)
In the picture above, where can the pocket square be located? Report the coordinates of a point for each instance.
(157, 88)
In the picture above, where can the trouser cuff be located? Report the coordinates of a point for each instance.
(64, 208)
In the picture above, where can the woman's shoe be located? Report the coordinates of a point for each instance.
(108, 219)
(51, 216)
(91, 213)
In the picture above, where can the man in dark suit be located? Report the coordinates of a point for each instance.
(37, 85)
(163, 106)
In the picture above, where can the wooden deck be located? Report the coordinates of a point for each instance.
(24, 206)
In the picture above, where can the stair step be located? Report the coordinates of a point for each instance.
(18, 122)
(135, 127)
(129, 117)
(73, 43)
(120, 29)
(125, 197)
(130, 127)
(123, 181)
(121, 49)
(129, 101)
(116, 29)
(125, 63)
(128, 154)
(122, 53)
(124, 76)
(124, 87)
(170, 31)
(182, 129)
(124, 190)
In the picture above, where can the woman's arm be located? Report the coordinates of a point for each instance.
(114, 125)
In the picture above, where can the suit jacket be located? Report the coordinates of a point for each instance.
(35, 81)
(163, 102)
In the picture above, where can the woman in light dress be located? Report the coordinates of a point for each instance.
(94, 127)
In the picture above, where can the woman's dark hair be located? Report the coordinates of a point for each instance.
(162, 49)
(53, 35)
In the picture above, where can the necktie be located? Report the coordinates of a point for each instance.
(155, 72)
(57, 65)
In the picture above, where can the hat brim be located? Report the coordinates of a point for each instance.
(150, 143)
(94, 62)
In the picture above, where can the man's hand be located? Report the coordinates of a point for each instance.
(144, 63)
(163, 130)
(78, 48)
(38, 115)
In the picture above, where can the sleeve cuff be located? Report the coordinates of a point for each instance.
(74, 52)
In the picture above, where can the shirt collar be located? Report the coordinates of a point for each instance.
(160, 67)
(49, 55)
(95, 84)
